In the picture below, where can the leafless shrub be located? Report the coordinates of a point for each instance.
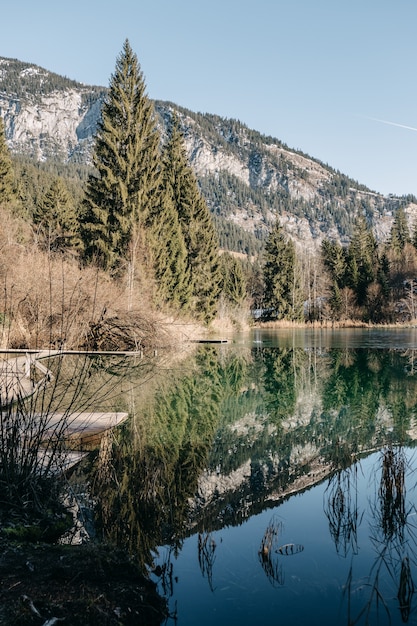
(43, 420)
(33, 445)
(122, 332)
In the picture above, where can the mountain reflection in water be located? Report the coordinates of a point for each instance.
(272, 481)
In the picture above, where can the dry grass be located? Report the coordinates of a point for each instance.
(50, 302)
(231, 318)
(47, 300)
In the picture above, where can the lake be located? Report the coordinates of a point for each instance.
(271, 480)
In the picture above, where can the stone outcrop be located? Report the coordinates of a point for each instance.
(47, 116)
(57, 125)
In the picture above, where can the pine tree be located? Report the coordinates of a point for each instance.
(203, 254)
(384, 276)
(234, 280)
(362, 259)
(254, 279)
(335, 300)
(400, 232)
(334, 259)
(55, 218)
(196, 225)
(169, 253)
(282, 297)
(127, 161)
(6, 177)
(169, 250)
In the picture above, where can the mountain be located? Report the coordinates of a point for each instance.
(247, 178)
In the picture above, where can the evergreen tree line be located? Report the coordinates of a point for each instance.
(22, 79)
(139, 214)
(364, 280)
(371, 282)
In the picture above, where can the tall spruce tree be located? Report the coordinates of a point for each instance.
(6, 177)
(127, 161)
(170, 259)
(203, 254)
(334, 259)
(196, 226)
(282, 296)
(233, 279)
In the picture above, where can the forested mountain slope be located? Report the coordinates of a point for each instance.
(247, 178)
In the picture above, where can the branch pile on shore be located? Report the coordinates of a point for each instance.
(124, 332)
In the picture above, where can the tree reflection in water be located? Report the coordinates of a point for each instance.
(393, 535)
(145, 478)
(232, 435)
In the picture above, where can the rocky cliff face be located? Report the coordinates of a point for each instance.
(312, 200)
(248, 179)
(46, 122)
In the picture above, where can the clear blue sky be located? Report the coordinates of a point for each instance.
(334, 78)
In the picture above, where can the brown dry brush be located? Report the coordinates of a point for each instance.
(124, 332)
(47, 300)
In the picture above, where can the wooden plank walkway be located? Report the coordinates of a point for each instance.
(85, 422)
(16, 383)
(15, 380)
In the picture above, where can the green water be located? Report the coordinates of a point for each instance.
(271, 480)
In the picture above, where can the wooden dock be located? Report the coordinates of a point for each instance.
(80, 430)
(209, 341)
(85, 422)
(17, 383)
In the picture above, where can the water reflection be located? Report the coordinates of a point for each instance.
(342, 511)
(392, 535)
(206, 556)
(208, 466)
(271, 564)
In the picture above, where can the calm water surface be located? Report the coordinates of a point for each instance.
(271, 480)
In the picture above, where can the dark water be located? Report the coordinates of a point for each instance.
(272, 481)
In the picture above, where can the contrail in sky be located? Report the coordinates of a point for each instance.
(375, 119)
